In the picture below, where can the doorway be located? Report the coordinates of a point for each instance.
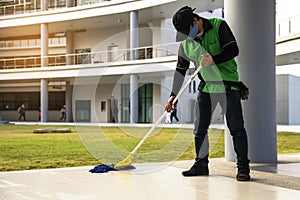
(83, 111)
(145, 103)
(113, 110)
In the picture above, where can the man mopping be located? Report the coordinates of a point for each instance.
(211, 45)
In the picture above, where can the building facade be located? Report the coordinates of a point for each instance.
(106, 60)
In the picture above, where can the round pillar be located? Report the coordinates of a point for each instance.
(44, 100)
(253, 24)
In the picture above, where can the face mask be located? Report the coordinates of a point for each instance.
(193, 33)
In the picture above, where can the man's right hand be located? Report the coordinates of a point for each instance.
(170, 104)
(206, 60)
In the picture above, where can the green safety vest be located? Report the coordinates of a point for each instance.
(226, 71)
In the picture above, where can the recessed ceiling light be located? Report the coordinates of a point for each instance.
(119, 21)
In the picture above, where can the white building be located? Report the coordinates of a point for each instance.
(287, 61)
(106, 60)
(95, 57)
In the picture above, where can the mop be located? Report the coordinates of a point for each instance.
(126, 163)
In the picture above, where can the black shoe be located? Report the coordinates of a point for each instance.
(197, 169)
(243, 174)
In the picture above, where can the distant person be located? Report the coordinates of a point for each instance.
(63, 111)
(21, 111)
(39, 114)
(174, 114)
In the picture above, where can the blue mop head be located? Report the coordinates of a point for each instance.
(106, 168)
(102, 169)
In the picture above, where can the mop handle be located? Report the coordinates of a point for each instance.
(148, 133)
(186, 85)
(165, 112)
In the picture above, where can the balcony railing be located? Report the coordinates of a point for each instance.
(108, 57)
(31, 43)
(12, 7)
(288, 27)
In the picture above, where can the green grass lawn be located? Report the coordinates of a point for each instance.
(21, 149)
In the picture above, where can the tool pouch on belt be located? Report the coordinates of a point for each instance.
(244, 91)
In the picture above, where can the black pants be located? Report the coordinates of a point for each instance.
(22, 115)
(174, 114)
(63, 116)
(231, 105)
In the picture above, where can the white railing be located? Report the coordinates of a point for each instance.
(27, 6)
(288, 27)
(109, 57)
(31, 43)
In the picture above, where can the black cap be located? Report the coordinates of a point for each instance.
(182, 20)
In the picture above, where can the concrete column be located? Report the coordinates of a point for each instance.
(44, 100)
(44, 5)
(44, 63)
(253, 24)
(134, 36)
(134, 99)
(134, 112)
(69, 47)
(69, 94)
(44, 45)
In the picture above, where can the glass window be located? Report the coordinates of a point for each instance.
(9, 97)
(56, 100)
(32, 42)
(12, 100)
(83, 2)
(125, 103)
(53, 41)
(61, 3)
(62, 40)
(24, 43)
(2, 43)
(16, 43)
(145, 103)
(83, 56)
(103, 106)
(51, 3)
(9, 43)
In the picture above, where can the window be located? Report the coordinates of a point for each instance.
(56, 100)
(114, 54)
(103, 106)
(145, 103)
(83, 56)
(12, 100)
(125, 103)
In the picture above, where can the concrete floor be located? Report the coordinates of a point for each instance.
(152, 181)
